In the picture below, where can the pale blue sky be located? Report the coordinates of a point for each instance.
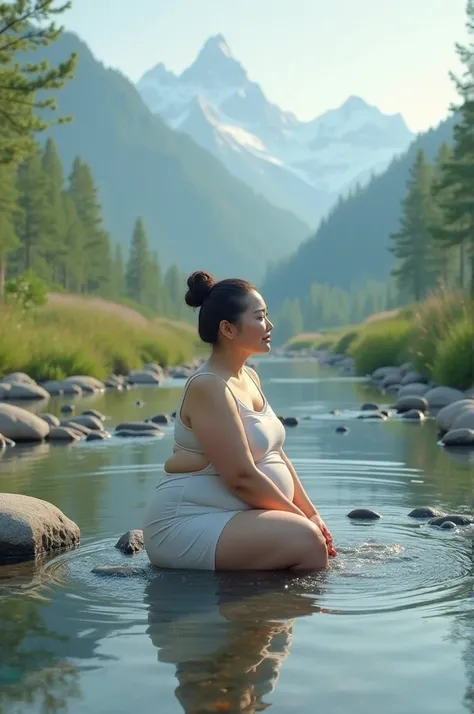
(308, 55)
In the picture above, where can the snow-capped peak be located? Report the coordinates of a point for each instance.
(301, 166)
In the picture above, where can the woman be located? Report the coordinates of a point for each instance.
(230, 498)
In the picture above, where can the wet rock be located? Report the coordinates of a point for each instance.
(5, 442)
(21, 425)
(387, 413)
(416, 388)
(459, 519)
(381, 372)
(25, 391)
(114, 381)
(50, 419)
(413, 377)
(448, 525)
(406, 368)
(72, 424)
(372, 416)
(465, 420)
(458, 437)
(137, 433)
(442, 396)
(91, 422)
(57, 388)
(391, 380)
(98, 436)
(366, 514)
(119, 571)
(67, 409)
(447, 415)
(425, 512)
(64, 433)
(144, 377)
(4, 388)
(290, 421)
(131, 542)
(93, 413)
(18, 377)
(413, 415)
(30, 527)
(160, 419)
(137, 426)
(86, 383)
(406, 404)
(469, 393)
(342, 429)
(369, 407)
(392, 388)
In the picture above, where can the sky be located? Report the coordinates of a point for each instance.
(307, 55)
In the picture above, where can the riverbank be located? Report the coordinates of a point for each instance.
(435, 336)
(74, 335)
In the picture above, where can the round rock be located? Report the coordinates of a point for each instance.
(98, 436)
(93, 413)
(131, 542)
(161, 419)
(458, 437)
(364, 514)
(21, 425)
(413, 415)
(342, 429)
(459, 519)
(448, 525)
(447, 416)
(290, 421)
(406, 404)
(369, 407)
(64, 433)
(67, 409)
(138, 434)
(50, 419)
(425, 512)
(30, 527)
(137, 426)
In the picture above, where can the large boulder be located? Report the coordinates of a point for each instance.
(446, 416)
(86, 383)
(406, 404)
(21, 425)
(143, 376)
(413, 377)
(57, 388)
(25, 390)
(465, 420)
(18, 377)
(442, 396)
(30, 527)
(414, 389)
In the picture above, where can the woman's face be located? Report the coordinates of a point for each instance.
(252, 332)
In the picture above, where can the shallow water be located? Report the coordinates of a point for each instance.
(389, 627)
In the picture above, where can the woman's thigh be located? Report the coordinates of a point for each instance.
(270, 540)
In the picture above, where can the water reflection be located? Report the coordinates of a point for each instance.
(30, 672)
(228, 635)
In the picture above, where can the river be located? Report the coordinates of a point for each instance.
(389, 626)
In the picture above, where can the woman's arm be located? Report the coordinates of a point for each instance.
(216, 422)
(301, 498)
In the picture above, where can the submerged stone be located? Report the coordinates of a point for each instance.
(131, 542)
(425, 512)
(366, 514)
(448, 525)
(119, 571)
(342, 429)
(459, 519)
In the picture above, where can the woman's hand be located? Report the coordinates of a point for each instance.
(318, 521)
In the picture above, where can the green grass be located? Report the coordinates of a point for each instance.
(59, 340)
(453, 364)
(380, 343)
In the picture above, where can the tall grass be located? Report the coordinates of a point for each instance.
(57, 341)
(380, 343)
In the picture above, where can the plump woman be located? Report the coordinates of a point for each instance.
(229, 497)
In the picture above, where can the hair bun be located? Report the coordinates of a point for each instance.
(200, 285)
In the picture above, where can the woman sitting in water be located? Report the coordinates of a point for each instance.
(230, 498)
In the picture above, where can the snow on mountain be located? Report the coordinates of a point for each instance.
(301, 166)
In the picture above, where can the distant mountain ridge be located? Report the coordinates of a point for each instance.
(351, 245)
(300, 166)
(196, 214)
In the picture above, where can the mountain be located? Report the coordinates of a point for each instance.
(196, 214)
(300, 166)
(351, 245)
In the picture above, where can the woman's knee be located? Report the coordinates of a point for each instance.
(312, 552)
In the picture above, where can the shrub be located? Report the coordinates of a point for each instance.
(380, 344)
(453, 364)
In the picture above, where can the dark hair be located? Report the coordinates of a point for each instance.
(222, 300)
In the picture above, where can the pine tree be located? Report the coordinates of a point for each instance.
(117, 283)
(25, 26)
(32, 224)
(97, 256)
(458, 181)
(55, 247)
(73, 263)
(175, 283)
(8, 210)
(413, 244)
(137, 274)
(449, 259)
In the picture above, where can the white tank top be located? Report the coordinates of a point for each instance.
(265, 432)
